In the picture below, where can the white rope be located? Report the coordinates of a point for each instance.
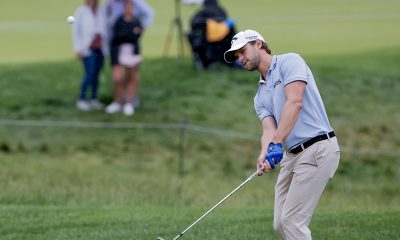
(80, 124)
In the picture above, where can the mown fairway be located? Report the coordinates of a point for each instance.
(77, 177)
(132, 222)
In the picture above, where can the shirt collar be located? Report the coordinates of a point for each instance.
(261, 81)
(274, 62)
(271, 68)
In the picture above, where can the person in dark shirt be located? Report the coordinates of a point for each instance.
(125, 59)
(211, 9)
(207, 49)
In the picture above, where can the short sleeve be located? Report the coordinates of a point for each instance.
(261, 111)
(293, 68)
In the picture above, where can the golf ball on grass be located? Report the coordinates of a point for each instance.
(70, 19)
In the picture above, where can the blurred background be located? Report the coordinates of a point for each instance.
(309, 27)
(68, 174)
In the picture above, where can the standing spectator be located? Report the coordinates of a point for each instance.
(114, 9)
(89, 36)
(125, 59)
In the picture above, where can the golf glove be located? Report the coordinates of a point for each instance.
(274, 154)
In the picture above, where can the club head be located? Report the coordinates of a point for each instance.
(159, 238)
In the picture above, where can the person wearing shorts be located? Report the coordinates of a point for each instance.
(125, 59)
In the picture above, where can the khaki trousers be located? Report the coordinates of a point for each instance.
(300, 184)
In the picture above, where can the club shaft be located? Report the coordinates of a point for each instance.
(216, 205)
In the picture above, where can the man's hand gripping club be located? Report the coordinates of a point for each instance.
(273, 157)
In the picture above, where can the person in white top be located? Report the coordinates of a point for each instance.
(89, 35)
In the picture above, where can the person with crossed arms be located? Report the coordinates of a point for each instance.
(293, 118)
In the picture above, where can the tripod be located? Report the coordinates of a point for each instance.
(176, 22)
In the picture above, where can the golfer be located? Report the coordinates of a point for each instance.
(293, 120)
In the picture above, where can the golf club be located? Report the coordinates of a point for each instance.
(216, 205)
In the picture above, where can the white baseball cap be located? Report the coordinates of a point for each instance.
(238, 41)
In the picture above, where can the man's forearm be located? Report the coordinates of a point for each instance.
(269, 130)
(265, 140)
(289, 114)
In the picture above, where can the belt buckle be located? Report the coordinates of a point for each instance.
(329, 137)
(302, 147)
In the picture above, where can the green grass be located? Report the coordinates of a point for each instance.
(360, 94)
(103, 183)
(80, 183)
(134, 222)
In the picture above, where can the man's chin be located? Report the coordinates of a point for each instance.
(250, 68)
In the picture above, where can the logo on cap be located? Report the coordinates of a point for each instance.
(234, 39)
(251, 38)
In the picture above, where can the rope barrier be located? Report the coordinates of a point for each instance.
(175, 126)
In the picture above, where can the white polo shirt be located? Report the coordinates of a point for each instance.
(270, 98)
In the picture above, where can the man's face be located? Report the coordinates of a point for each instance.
(248, 56)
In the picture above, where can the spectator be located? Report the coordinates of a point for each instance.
(113, 10)
(210, 35)
(88, 39)
(125, 59)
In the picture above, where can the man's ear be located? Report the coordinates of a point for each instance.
(259, 44)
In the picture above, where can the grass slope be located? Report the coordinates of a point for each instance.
(74, 183)
(172, 91)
